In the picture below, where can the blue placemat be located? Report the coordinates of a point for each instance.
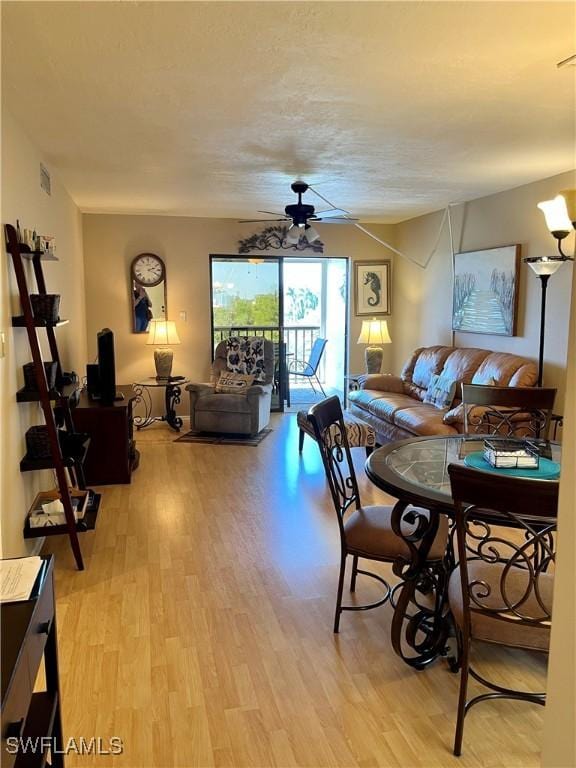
(548, 470)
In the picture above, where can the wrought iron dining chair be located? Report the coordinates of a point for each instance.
(507, 411)
(501, 591)
(309, 368)
(365, 531)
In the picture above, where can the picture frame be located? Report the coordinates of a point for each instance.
(372, 288)
(485, 291)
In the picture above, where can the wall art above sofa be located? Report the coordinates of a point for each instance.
(486, 291)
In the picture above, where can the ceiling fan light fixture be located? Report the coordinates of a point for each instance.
(293, 235)
(311, 234)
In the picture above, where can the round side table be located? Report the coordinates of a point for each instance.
(172, 396)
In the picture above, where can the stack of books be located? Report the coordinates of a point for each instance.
(511, 454)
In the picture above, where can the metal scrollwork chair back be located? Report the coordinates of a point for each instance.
(507, 411)
(501, 591)
(328, 422)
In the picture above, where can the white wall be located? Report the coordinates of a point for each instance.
(112, 241)
(559, 743)
(57, 215)
(423, 297)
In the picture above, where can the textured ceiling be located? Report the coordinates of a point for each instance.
(212, 109)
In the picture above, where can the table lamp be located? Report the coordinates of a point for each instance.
(162, 332)
(374, 332)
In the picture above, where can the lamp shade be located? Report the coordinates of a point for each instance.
(162, 332)
(311, 234)
(545, 265)
(556, 214)
(569, 196)
(374, 332)
(293, 235)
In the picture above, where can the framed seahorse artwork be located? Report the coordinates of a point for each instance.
(372, 288)
(486, 291)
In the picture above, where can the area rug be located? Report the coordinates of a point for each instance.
(224, 439)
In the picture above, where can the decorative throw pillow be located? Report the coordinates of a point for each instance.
(245, 354)
(455, 415)
(440, 392)
(234, 383)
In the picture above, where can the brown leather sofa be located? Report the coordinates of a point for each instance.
(394, 407)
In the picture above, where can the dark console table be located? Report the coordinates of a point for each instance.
(28, 635)
(112, 454)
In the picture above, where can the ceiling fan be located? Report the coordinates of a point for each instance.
(300, 215)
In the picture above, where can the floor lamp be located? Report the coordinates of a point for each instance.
(544, 267)
(560, 215)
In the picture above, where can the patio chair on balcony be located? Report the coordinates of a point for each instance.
(308, 369)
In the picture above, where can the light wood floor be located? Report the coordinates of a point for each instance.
(201, 631)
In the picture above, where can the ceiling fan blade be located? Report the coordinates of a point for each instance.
(338, 220)
(274, 213)
(329, 212)
(253, 221)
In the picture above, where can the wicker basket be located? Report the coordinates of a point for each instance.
(45, 306)
(30, 376)
(38, 443)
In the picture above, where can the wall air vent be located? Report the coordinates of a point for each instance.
(45, 179)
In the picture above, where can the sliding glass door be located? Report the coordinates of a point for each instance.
(292, 301)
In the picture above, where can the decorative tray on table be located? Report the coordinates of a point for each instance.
(511, 454)
(518, 458)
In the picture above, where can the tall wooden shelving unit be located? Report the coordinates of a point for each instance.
(59, 396)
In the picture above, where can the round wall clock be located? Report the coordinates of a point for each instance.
(148, 269)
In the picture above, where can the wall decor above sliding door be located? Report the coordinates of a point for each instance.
(486, 291)
(276, 238)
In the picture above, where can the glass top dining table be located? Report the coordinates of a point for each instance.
(417, 469)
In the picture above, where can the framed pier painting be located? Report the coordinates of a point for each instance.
(486, 291)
